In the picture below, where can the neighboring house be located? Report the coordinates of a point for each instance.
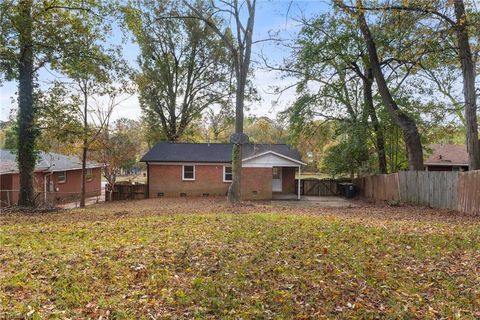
(204, 169)
(447, 157)
(57, 178)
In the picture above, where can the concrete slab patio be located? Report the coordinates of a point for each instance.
(313, 201)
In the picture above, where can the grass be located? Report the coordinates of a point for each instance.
(142, 260)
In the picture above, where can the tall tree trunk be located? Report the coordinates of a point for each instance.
(234, 191)
(26, 116)
(468, 72)
(84, 148)
(241, 50)
(84, 173)
(380, 140)
(242, 57)
(408, 125)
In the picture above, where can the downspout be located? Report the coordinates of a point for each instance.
(45, 182)
(45, 186)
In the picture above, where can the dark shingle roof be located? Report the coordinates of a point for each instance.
(189, 152)
(45, 161)
(211, 152)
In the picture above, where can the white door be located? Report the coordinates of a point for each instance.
(276, 179)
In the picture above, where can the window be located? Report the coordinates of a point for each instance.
(227, 174)
(188, 173)
(89, 175)
(276, 173)
(62, 177)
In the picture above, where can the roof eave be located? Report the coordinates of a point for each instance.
(445, 164)
(277, 154)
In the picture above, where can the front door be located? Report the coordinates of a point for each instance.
(276, 179)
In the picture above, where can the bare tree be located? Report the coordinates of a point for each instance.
(240, 47)
(99, 114)
(218, 122)
(184, 66)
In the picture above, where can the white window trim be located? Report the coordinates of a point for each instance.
(224, 174)
(183, 172)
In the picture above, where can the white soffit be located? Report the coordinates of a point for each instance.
(270, 159)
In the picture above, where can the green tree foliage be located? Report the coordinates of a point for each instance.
(329, 66)
(35, 35)
(336, 85)
(59, 120)
(453, 28)
(9, 136)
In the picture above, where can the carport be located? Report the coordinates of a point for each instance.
(284, 170)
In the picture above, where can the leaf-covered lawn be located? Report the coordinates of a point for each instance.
(140, 260)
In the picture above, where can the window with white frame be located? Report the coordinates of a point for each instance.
(188, 172)
(62, 177)
(227, 174)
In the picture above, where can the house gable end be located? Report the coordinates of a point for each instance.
(270, 159)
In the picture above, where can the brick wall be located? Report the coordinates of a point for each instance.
(256, 183)
(168, 180)
(72, 186)
(11, 182)
(68, 190)
(6, 196)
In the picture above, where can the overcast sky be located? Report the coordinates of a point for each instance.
(274, 15)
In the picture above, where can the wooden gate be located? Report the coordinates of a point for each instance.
(323, 187)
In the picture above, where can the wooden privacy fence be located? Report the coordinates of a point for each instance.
(379, 187)
(316, 187)
(446, 190)
(127, 192)
(469, 192)
(435, 189)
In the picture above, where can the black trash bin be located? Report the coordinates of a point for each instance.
(349, 190)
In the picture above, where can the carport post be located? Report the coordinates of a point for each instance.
(299, 178)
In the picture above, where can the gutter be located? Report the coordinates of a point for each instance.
(45, 186)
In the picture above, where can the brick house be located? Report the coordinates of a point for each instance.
(204, 169)
(57, 178)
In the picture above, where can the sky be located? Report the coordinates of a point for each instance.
(271, 15)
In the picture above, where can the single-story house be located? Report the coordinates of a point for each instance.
(57, 178)
(447, 157)
(204, 169)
